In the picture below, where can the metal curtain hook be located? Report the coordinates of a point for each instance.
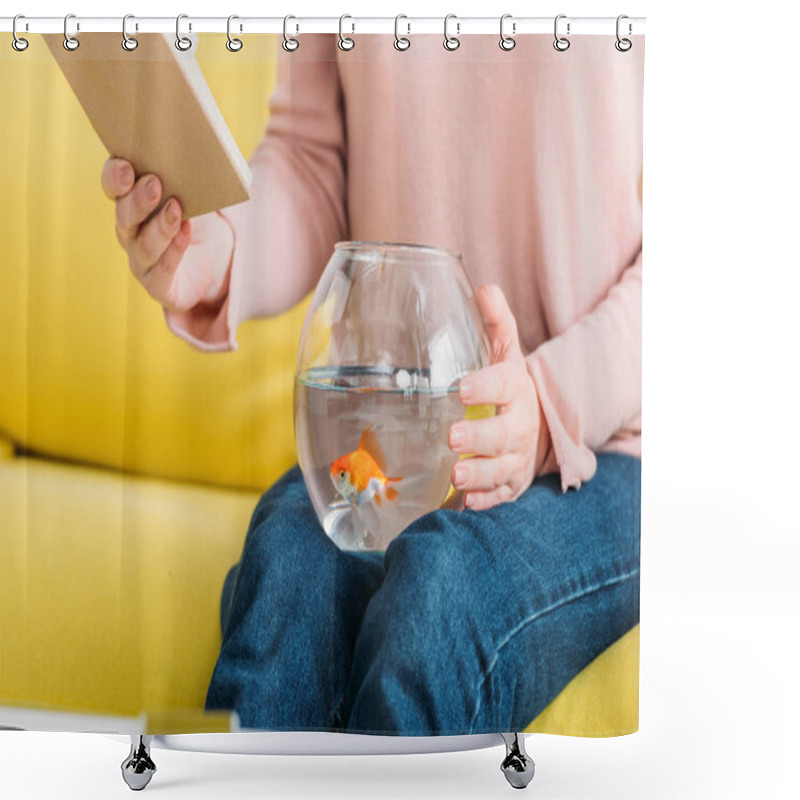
(70, 42)
(623, 45)
(290, 44)
(400, 42)
(18, 43)
(507, 42)
(345, 42)
(561, 43)
(181, 42)
(451, 42)
(233, 44)
(128, 42)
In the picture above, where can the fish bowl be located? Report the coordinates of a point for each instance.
(391, 330)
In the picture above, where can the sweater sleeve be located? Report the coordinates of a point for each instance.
(589, 378)
(278, 242)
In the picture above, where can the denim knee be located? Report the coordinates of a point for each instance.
(426, 567)
(421, 614)
(420, 651)
(285, 533)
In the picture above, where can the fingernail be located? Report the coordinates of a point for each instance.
(469, 501)
(461, 477)
(152, 189)
(456, 437)
(172, 212)
(126, 177)
(465, 389)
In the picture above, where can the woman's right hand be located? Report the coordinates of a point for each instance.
(156, 248)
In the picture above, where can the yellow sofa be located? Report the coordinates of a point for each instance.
(129, 462)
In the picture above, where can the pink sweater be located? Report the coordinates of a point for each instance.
(526, 162)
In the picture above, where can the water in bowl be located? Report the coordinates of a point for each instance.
(410, 422)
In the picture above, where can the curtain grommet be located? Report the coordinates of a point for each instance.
(18, 43)
(129, 43)
(233, 44)
(183, 43)
(70, 42)
(507, 42)
(623, 45)
(401, 43)
(290, 43)
(451, 43)
(561, 43)
(345, 42)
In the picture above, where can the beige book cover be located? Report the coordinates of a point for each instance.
(152, 106)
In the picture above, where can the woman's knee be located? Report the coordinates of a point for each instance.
(424, 603)
(284, 543)
(430, 553)
(284, 522)
(287, 494)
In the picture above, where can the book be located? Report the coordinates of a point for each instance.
(153, 107)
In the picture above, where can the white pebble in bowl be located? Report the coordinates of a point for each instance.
(402, 379)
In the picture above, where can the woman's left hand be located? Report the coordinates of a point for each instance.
(510, 448)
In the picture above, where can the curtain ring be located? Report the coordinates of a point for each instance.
(345, 42)
(290, 44)
(70, 42)
(233, 44)
(561, 43)
(128, 42)
(183, 43)
(507, 42)
(18, 43)
(400, 42)
(623, 45)
(451, 43)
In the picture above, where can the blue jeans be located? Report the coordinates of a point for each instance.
(469, 622)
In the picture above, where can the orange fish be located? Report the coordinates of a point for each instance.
(360, 476)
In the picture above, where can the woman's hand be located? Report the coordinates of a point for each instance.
(156, 248)
(509, 448)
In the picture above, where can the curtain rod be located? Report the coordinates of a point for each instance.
(349, 25)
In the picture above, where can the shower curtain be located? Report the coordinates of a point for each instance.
(163, 570)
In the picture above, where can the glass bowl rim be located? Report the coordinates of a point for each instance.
(396, 246)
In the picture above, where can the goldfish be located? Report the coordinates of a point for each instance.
(360, 476)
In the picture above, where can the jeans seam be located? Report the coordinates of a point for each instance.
(335, 720)
(532, 618)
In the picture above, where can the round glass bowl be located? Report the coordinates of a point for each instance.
(391, 330)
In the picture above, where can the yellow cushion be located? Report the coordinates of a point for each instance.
(602, 700)
(109, 600)
(110, 586)
(90, 371)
